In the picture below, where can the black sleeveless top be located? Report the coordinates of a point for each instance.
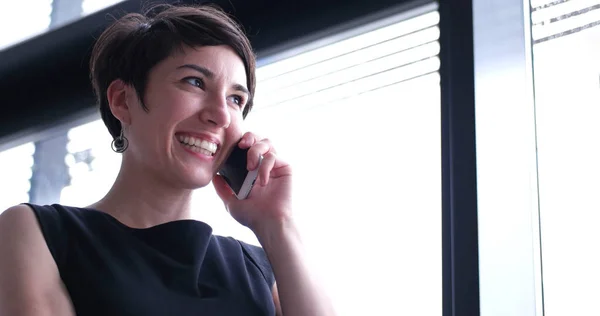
(176, 268)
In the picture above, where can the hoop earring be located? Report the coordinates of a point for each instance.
(120, 144)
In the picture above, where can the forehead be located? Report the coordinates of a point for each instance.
(221, 60)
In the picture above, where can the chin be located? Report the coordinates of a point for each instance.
(199, 182)
(193, 184)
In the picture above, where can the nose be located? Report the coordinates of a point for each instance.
(215, 112)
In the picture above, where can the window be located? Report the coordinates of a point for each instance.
(93, 166)
(15, 168)
(11, 18)
(38, 16)
(359, 120)
(91, 6)
(566, 60)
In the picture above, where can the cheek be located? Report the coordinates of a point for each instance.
(236, 127)
(171, 108)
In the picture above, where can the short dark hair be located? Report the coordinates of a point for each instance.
(132, 45)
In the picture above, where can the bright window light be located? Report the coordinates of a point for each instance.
(567, 114)
(350, 74)
(555, 11)
(91, 6)
(360, 123)
(15, 168)
(348, 45)
(24, 19)
(356, 87)
(539, 3)
(357, 57)
(567, 24)
(368, 177)
(93, 166)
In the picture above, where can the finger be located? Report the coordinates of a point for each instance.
(280, 169)
(260, 148)
(223, 190)
(265, 168)
(248, 139)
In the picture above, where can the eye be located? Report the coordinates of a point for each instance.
(195, 81)
(238, 100)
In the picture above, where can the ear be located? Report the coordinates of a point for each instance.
(117, 96)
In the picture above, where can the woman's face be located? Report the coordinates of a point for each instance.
(195, 100)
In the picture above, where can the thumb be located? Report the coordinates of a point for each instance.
(223, 190)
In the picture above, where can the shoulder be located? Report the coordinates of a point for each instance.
(254, 252)
(56, 217)
(248, 250)
(26, 265)
(20, 230)
(19, 220)
(39, 212)
(47, 225)
(254, 255)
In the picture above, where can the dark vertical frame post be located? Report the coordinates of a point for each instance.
(459, 176)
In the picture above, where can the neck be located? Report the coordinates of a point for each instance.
(139, 199)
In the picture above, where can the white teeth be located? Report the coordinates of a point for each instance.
(205, 152)
(202, 146)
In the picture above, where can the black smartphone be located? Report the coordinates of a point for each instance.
(235, 173)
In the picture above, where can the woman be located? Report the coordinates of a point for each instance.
(173, 86)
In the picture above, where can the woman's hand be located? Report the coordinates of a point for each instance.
(270, 200)
(267, 212)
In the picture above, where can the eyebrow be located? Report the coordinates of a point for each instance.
(211, 75)
(240, 88)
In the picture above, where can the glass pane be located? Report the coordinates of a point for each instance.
(27, 19)
(24, 19)
(15, 168)
(567, 72)
(93, 166)
(359, 121)
(91, 6)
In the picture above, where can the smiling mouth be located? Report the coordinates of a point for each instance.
(198, 145)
